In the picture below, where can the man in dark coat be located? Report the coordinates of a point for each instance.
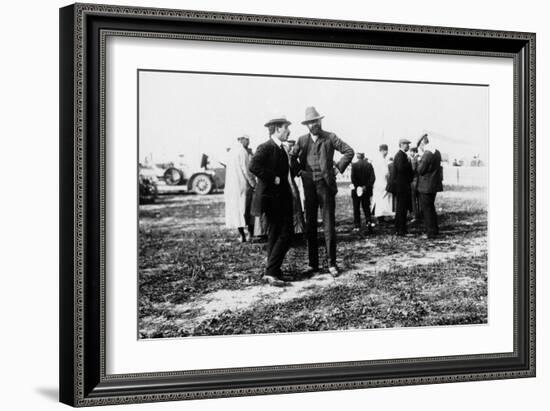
(362, 180)
(400, 185)
(273, 196)
(313, 159)
(415, 201)
(430, 182)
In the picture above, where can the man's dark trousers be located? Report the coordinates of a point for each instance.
(360, 202)
(415, 202)
(401, 187)
(427, 205)
(402, 206)
(279, 234)
(317, 194)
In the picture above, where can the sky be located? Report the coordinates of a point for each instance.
(194, 113)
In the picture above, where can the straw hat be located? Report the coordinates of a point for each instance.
(278, 120)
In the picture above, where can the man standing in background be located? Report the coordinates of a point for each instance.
(362, 180)
(239, 188)
(430, 182)
(401, 186)
(313, 160)
(415, 201)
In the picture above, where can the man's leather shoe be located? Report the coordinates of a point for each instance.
(334, 271)
(274, 281)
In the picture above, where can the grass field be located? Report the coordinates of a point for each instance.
(195, 278)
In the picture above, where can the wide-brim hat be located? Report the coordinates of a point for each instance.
(311, 115)
(278, 120)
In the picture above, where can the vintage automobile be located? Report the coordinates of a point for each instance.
(148, 184)
(203, 179)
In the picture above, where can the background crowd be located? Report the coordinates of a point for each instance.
(278, 191)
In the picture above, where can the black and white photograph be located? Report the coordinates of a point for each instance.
(285, 204)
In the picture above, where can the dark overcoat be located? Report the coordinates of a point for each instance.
(430, 173)
(362, 175)
(268, 162)
(402, 175)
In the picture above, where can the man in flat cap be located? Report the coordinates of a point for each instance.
(313, 160)
(430, 182)
(273, 197)
(362, 180)
(400, 186)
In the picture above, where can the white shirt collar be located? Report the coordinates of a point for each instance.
(277, 141)
(313, 137)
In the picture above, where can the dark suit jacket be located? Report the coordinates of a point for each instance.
(402, 176)
(270, 161)
(362, 174)
(329, 143)
(430, 173)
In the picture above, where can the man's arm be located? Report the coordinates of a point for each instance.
(347, 152)
(294, 156)
(371, 176)
(244, 163)
(354, 173)
(258, 165)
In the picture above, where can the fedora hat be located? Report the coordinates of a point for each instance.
(278, 120)
(312, 115)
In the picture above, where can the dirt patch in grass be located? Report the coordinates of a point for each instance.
(188, 263)
(428, 295)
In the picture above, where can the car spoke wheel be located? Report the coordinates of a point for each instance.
(173, 176)
(202, 184)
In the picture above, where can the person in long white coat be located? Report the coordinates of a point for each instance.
(382, 199)
(239, 188)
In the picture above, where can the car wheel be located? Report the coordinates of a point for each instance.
(173, 176)
(202, 184)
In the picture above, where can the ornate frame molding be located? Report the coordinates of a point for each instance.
(80, 386)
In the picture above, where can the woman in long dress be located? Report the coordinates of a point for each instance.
(239, 185)
(382, 199)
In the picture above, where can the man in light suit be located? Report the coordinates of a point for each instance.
(313, 159)
(273, 197)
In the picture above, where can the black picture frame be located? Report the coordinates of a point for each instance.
(83, 381)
